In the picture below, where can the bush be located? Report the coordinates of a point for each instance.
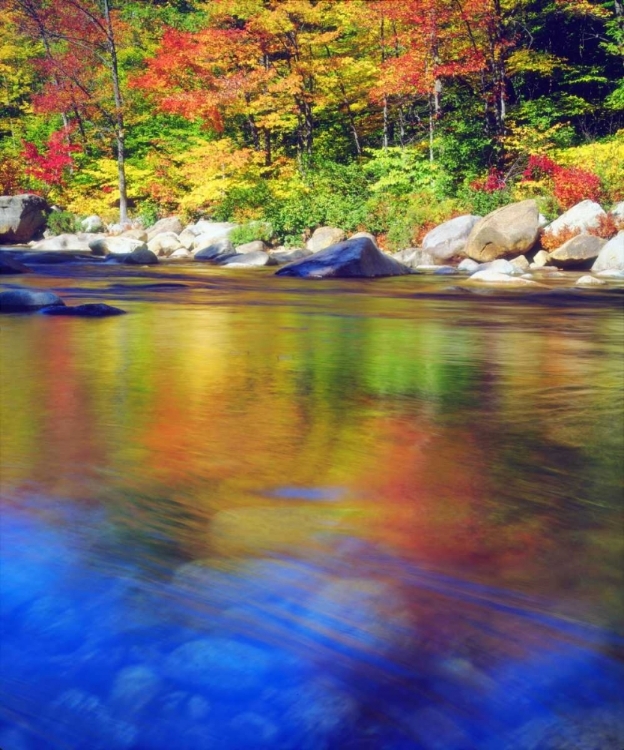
(63, 222)
(252, 231)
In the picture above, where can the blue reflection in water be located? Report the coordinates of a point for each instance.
(352, 649)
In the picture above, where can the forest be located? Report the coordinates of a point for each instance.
(381, 115)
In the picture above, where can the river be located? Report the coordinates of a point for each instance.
(269, 514)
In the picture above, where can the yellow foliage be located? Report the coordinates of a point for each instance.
(527, 139)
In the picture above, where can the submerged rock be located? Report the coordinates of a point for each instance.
(11, 266)
(91, 310)
(252, 259)
(27, 300)
(357, 258)
(590, 281)
(141, 256)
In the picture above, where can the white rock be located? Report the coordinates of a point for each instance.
(541, 259)
(164, 244)
(186, 238)
(618, 210)
(168, 224)
(211, 231)
(449, 239)
(370, 236)
(92, 223)
(468, 265)
(324, 237)
(78, 242)
(611, 274)
(520, 262)
(115, 245)
(589, 281)
(495, 277)
(136, 234)
(252, 247)
(583, 216)
(611, 256)
(180, 254)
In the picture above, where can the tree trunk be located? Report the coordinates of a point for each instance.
(119, 121)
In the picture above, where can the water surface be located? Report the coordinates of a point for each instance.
(269, 513)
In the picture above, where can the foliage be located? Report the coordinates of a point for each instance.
(49, 168)
(252, 231)
(61, 222)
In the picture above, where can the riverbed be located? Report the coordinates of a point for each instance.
(274, 514)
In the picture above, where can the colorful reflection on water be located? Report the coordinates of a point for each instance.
(265, 514)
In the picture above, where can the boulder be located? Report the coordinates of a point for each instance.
(445, 271)
(468, 265)
(502, 266)
(510, 230)
(27, 300)
(618, 211)
(215, 229)
(214, 250)
(141, 256)
(22, 218)
(181, 254)
(252, 247)
(11, 266)
(611, 257)
(92, 223)
(611, 273)
(168, 224)
(115, 245)
(352, 258)
(248, 260)
(164, 243)
(521, 262)
(540, 259)
(91, 310)
(325, 237)
(589, 281)
(187, 238)
(283, 255)
(449, 239)
(66, 242)
(581, 217)
(579, 252)
(413, 257)
(135, 234)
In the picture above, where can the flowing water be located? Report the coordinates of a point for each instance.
(259, 513)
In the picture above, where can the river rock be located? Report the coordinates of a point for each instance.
(510, 230)
(54, 257)
(134, 687)
(27, 300)
(413, 257)
(612, 273)
(92, 223)
(578, 252)
(581, 217)
(90, 310)
(66, 242)
(208, 232)
(11, 266)
(468, 265)
(115, 245)
(252, 247)
(135, 234)
(282, 255)
(222, 666)
(248, 260)
(168, 224)
(500, 265)
(181, 254)
(540, 259)
(589, 281)
(22, 218)
(611, 257)
(521, 262)
(618, 211)
(164, 243)
(349, 259)
(141, 256)
(214, 250)
(359, 235)
(449, 239)
(496, 277)
(187, 238)
(324, 237)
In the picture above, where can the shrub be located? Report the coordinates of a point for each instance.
(63, 222)
(252, 231)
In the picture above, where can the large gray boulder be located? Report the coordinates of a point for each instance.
(579, 252)
(325, 237)
(27, 300)
(115, 245)
(581, 217)
(412, 257)
(449, 239)
(288, 255)
(509, 231)
(248, 260)
(611, 257)
(22, 218)
(168, 224)
(214, 250)
(252, 247)
(352, 258)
